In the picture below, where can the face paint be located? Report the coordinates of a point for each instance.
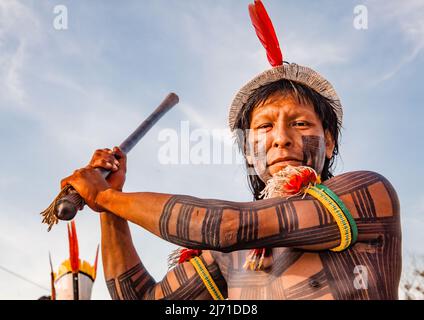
(314, 152)
(257, 143)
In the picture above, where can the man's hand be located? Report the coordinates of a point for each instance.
(88, 183)
(113, 160)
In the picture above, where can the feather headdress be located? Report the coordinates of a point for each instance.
(75, 277)
(279, 71)
(266, 32)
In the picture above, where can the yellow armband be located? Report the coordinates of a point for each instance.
(206, 278)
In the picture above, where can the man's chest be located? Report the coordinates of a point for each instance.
(288, 274)
(294, 274)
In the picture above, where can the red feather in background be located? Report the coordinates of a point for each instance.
(73, 247)
(95, 262)
(266, 33)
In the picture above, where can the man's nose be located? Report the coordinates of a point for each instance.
(281, 137)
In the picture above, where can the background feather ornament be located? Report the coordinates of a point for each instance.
(73, 247)
(74, 257)
(95, 262)
(266, 33)
(75, 277)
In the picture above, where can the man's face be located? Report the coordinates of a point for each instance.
(285, 132)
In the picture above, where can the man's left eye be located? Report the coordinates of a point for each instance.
(301, 124)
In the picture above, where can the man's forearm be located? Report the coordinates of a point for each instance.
(118, 251)
(142, 208)
(221, 225)
(125, 275)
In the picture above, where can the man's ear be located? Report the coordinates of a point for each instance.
(329, 144)
(249, 159)
(247, 151)
(248, 154)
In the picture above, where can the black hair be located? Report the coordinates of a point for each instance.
(322, 106)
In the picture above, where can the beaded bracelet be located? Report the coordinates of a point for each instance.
(347, 227)
(352, 223)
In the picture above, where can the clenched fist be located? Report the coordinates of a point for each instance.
(113, 160)
(88, 182)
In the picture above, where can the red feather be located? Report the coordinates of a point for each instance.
(266, 33)
(73, 248)
(95, 261)
(187, 254)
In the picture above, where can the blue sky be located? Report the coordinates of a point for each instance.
(65, 93)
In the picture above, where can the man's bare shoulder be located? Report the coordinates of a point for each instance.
(369, 193)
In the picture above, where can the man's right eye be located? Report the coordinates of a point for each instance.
(264, 126)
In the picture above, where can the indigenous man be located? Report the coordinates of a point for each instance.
(292, 117)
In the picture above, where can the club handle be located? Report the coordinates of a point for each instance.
(68, 205)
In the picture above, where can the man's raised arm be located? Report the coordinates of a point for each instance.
(295, 222)
(227, 226)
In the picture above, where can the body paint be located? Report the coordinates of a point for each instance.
(314, 152)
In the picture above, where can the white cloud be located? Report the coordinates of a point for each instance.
(315, 52)
(10, 72)
(19, 29)
(407, 17)
(17, 18)
(405, 60)
(64, 82)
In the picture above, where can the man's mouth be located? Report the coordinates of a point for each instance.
(284, 161)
